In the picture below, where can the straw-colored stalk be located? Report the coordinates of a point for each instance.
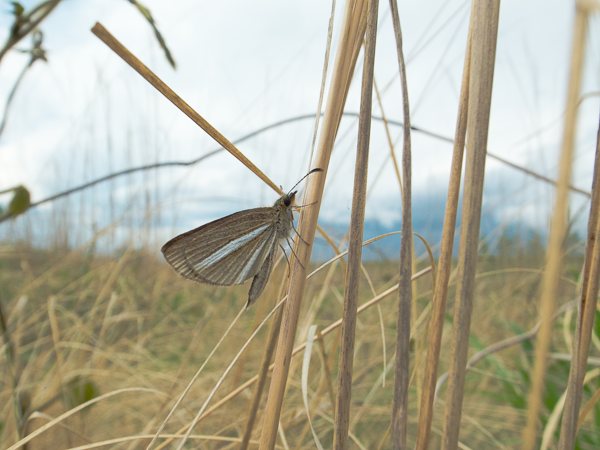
(357, 218)
(483, 52)
(262, 379)
(402, 368)
(351, 39)
(587, 310)
(444, 266)
(558, 227)
(104, 35)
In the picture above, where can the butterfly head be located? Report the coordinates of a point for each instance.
(286, 200)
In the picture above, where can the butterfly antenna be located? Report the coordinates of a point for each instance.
(300, 180)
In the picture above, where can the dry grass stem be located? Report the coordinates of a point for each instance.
(558, 227)
(262, 379)
(403, 331)
(587, 313)
(353, 268)
(444, 266)
(104, 35)
(483, 52)
(352, 33)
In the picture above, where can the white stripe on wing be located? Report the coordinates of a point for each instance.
(229, 248)
(244, 274)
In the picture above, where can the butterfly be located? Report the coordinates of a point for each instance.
(235, 248)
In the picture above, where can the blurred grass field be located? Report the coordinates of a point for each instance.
(81, 326)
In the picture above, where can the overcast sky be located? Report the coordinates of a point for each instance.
(244, 65)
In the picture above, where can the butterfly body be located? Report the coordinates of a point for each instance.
(235, 248)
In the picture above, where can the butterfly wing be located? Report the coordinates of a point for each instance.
(226, 251)
(262, 276)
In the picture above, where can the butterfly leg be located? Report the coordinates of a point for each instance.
(286, 258)
(304, 206)
(299, 235)
(292, 248)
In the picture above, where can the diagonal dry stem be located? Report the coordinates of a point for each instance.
(104, 35)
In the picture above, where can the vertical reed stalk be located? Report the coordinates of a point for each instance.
(483, 52)
(440, 292)
(558, 227)
(351, 39)
(402, 372)
(353, 269)
(585, 318)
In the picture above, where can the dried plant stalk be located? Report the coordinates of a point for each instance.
(585, 318)
(401, 370)
(262, 379)
(353, 268)
(352, 34)
(180, 103)
(444, 267)
(483, 52)
(558, 228)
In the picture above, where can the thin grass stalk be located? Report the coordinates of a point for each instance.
(558, 227)
(353, 268)
(352, 34)
(444, 266)
(586, 316)
(262, 378)
(483, 52)
(402, 369)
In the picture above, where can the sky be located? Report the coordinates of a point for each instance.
(244, 65)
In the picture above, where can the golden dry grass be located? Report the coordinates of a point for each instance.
(82, 327)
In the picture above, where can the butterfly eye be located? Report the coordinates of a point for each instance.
(287, 201)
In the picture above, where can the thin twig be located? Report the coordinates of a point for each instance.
(33, 19)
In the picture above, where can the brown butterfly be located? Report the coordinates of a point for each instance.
(235, 248)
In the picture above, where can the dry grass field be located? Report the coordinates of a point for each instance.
(127, 332)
